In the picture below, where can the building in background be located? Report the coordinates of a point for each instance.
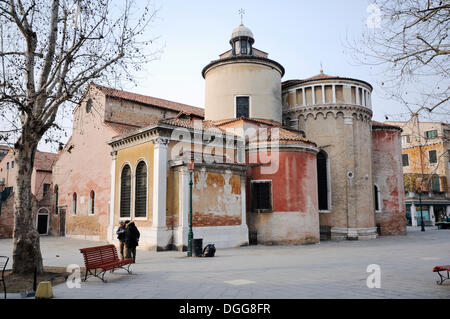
(426, 169)
(41, 188)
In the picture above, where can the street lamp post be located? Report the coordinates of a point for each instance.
(190, 234)
(419, 190)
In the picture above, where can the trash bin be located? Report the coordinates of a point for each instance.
(197, 247)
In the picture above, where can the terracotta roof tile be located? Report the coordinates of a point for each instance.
(150, 100)
(284, 136)
(44, 161)
(122, 128)
(376, 124)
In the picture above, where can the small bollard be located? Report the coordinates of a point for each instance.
(44, 290)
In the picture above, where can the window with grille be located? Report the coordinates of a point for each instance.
(140, 209)
(125, 192)
(432, 156)
(261, 195)
(242, 106)
(405, 160)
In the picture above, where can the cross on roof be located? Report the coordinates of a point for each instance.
(242, 12)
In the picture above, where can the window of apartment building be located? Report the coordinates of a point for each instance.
(406, 139)
(46, 189)
(436, 184)
(261, 195)
(432, 156)
(125, 192)
(12, 164)
(74, 204)
(431, 134)
(7, 165)
(140, 209)
(242, 106)
(405, 160)
(91, 203)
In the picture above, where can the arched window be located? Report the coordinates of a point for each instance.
(74, 204)
(322, 180)
(56, 199)
(92, 203)
(125, 192)
(140, 207)
(377, 199)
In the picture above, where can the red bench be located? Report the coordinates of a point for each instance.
(98, 260)
(443, 269)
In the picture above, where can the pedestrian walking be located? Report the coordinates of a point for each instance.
(132, 240)
(121, 237)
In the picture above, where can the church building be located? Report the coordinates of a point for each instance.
(274, 162)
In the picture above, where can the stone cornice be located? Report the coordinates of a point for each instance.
(328, 107)
(244, 59)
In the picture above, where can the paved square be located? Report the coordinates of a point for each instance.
(327, 270)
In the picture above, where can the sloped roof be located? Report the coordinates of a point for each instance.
(149, 100)
(380, 125)
(318, 77)
(44, 161)
(283, 136)
(121, 128)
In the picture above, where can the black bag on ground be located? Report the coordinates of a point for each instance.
(209, 250)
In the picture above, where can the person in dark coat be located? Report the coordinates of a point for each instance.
(132, 240)
(121, 237)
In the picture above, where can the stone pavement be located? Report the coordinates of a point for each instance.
(327, 270)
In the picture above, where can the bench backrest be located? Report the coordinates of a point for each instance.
(100, 255)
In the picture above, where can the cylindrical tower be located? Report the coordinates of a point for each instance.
(243, 82)
(336, 114)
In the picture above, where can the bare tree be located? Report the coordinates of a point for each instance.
(50, 51)
(410, 39)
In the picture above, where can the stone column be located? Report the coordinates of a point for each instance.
(159, 226)
(244, 202)
(432, 217)
(413, 215)
(183, 205)
(112, 197)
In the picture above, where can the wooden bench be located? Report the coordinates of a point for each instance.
(443, 225)
(443, 269)
(98, 260)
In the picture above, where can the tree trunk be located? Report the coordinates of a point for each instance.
(27, 252)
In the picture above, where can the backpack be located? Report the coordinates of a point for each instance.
(209, 250)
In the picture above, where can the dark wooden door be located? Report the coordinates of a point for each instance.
(62, 222)
(42, 224)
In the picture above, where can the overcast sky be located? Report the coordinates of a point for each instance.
(300, 35)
